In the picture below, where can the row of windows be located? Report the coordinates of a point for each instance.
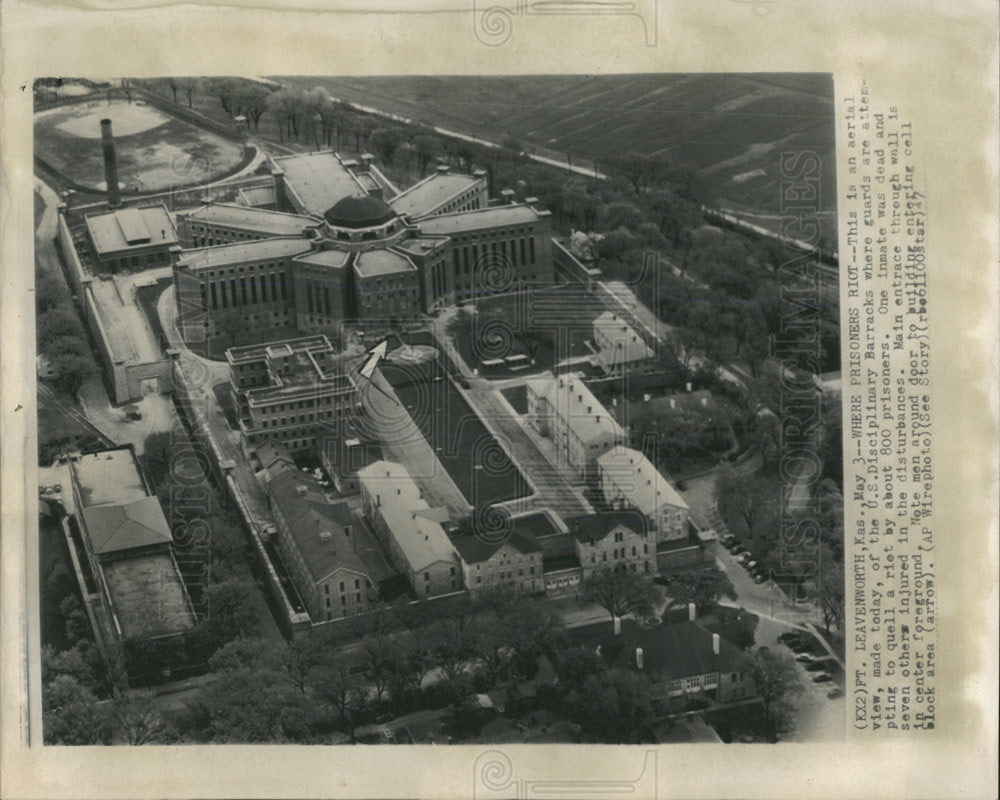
(151, 258)
(494, 232)
(244, 291)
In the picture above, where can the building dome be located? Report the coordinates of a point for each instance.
(359, 212)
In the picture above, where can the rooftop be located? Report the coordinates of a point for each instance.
(319, 180)
(321, 528)
(670, 651)
(474, 549)
(148, 596)
(123, 324)
(573, 402)
(358, 212)
(496, 217)
(126, 526)
(271, 222)
(536, 523)
(109, 476)
(373, 263)
(258, 196)
(431, 193)
(239, 252)
(345, 456)
(418, 245)
(638, 480)
(627, 345)
(334, 259)
(597, 526)
(258, 352)
(131, 227)
(422, 540)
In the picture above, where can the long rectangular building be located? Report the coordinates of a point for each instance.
(628, 479)
(410, 529)
(581, 429)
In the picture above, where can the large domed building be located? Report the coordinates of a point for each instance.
(334, 240)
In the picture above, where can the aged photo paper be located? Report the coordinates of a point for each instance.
(766, 282)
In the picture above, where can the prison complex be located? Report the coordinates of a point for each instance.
(335, 249)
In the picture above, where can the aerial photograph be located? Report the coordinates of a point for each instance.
(439, 409)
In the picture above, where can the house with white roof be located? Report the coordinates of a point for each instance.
(410, 529)
(628, 479)
(581, 429)
(620, 349)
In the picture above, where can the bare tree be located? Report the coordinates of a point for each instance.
(137, 716)
(620, 593)
(777, 683)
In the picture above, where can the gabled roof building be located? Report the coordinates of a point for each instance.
(316, 535)
(410, 529)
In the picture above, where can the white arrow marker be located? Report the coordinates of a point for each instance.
(375, 355)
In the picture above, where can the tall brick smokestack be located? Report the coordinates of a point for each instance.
(110, 164)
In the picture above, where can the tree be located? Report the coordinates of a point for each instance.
(576, 664)
(386, 142)
(613, 707)
(243, 655)
(71, 714)
(777, 682)
(743, 494)
(232, 608)
(230, 324)
(72, 371)
(425, 147)
(256, 105)
(334, 683)
(137, 717)
(829, 590)
(621, 593)
(702, 587)
(449, 643)
(377, 664)
(486, 643)
(55, 323)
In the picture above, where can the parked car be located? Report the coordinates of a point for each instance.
(759, 578)
(823, 677)
(804, 658)
(815, 666)
(751, 566)
(833, 694)
(801, 646)
(788, 636)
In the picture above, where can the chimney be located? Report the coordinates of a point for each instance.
(280, 201)
(110, 164)
(715, 643)
(638, 658)
(508, 196)
(618, 626)
(692, 612)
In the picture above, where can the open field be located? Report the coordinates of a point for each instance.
(472, 457)
(733, 127)
(154, 150)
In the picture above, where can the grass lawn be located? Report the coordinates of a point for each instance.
(162, 151)
(556, 321)
(466, 449)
